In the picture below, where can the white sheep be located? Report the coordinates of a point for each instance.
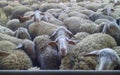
(107, 58)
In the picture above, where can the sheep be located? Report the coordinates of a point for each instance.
(114, 1)
(13, 24)
(107, 58)
(77, 14)
(46, 6)
(62, 43)
(7, 46)
(22, 33)
(47, 56)
(62, 40)
(87, 12)
(3, 4)
(107, 10)
(19, 10)
(52, 1)
(75, 58)
(62, 16)
(14, 4)
(10, 38)
(17, 60)
(93, 6)
(22, 19)
(35, 6)
(29, 47)
(41, 28)
(38, 15)
(76, 24)
(112, 29)
(6, 30)
(80, 36)
(26, 2)
(8, 10)
(93, 17)
(55, 12)
(99, 21)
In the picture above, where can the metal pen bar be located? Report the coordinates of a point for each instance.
(59, 72)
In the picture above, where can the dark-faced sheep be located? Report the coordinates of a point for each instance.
(107, 58)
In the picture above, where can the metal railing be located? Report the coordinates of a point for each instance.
(59, 72)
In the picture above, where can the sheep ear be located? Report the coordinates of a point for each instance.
(20, 46)
(93, 53)
(104, 30)
(53, 43)
(71, 35)
(112, 10)
(32, 15)
(53, 34)
(4, 54)
(71, 42)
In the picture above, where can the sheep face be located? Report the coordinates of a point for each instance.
(37, 15)
(112, 29)
(107, 58)
(107, 11)
(62, 43)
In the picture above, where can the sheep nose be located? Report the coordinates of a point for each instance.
(63, 51)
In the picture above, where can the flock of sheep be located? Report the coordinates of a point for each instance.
(60, 35)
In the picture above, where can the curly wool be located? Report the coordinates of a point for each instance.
(7, 46)
(76, 24)
(80, 36)
(13, 24)
(41, 28)
(6, 30)
(16, 61)
(10, 38)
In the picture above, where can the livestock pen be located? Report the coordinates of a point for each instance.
(52, 37)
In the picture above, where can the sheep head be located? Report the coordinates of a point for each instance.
(22, 33)
(62, 44)
(112, 29)
(107, 58)
(108, 10)
(62, 31)
(38, 16)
